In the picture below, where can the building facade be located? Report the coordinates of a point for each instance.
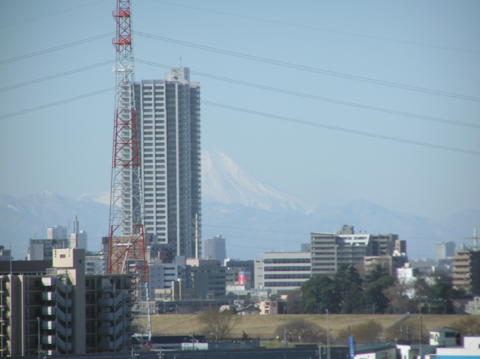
(169, 119)
(53, 308)
(466, 271)
(215, 248)
(363, 251)
(282, 271)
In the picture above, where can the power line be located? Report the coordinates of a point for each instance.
(50, 14)
(343, 129)
(323, 98)
(321, 29)
(54, 48)
(311, 69)
(54, 76)
(55, 103)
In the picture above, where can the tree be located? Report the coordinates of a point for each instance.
(320, 294)
(301, 331)
(349, 284)
(363, 333)
(376, 282)
(294, 302)
(398, 302)
(443, 293)
(217, 325)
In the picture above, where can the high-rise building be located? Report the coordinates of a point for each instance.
(169, 119)
(57, 232)
(215, 248)
(445, 250)
(466, 271)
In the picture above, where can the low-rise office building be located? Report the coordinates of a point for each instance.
(282, 271)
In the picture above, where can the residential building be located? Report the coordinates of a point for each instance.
(214, 248)
(282, 271)
(57, 232)
(466, 271)
(169, 119)
(330, 250)
(445, 250)
(95, 263)
(42, 249)
(54, 308)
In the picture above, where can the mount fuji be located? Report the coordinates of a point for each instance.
(252, 216)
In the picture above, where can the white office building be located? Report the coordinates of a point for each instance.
(282, 271)
(169, 119)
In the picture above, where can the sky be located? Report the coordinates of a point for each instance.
(374, 100)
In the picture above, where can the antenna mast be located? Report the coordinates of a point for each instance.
(126, 233)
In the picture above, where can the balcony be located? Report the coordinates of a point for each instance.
(48, 339)
(48, 296)
(48, 325)
(48, 310)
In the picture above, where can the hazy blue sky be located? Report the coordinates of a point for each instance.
(428, 44)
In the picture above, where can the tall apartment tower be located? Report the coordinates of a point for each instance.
(169, 118)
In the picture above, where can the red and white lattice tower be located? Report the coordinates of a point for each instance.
(126, 234)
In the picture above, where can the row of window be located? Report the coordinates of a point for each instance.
(283, 284)
(287, 276)
(287, 260)
(287, 269)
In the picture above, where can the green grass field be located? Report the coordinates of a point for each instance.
(264, 326)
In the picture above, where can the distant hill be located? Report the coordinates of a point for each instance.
(252, 216)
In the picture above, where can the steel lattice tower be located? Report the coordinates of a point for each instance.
(126, 233)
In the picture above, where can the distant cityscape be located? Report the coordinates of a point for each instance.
(152, 286)
(64, 299)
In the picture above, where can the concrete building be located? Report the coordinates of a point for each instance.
(330, 250)
(240, 273)
(5, 254)
(215, 248)
(470, 349)
(78, 238)
(169, 119)
(42, 249)
(46, 307)
(444, 250)
(57, 232)
(205, 279)
(162, 275)
(95, 264)
(466, 271)
(282, 271)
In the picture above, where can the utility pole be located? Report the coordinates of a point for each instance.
(328, 336)
(39, 349)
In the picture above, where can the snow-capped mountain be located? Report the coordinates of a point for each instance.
(223, 181)
(252, 216)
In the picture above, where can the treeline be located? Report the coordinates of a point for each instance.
(378, 292)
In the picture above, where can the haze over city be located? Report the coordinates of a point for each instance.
(358, 101)
(261, 179)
